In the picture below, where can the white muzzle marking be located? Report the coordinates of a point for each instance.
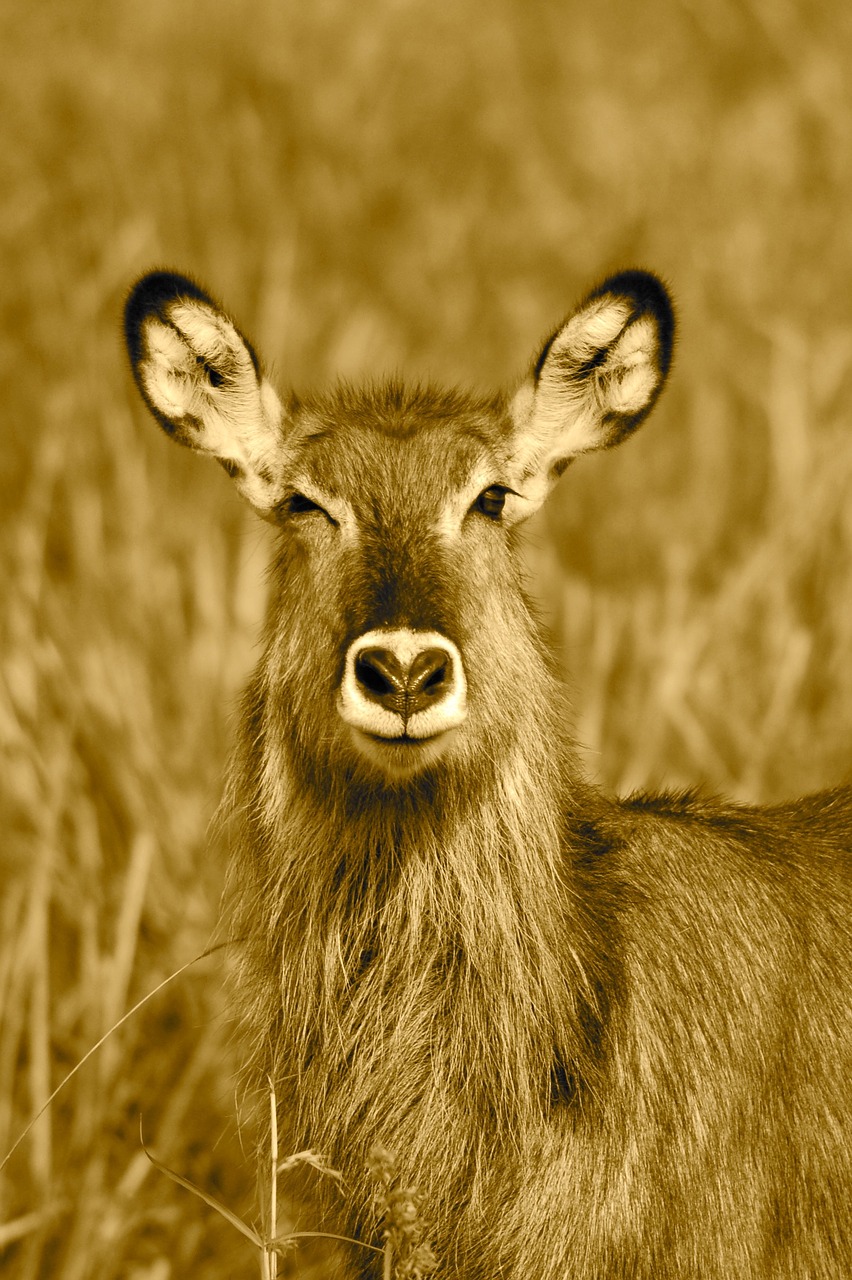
(362, 711)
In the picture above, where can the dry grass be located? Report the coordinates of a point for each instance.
(412, 185)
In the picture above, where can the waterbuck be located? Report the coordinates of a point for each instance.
(604, 1038)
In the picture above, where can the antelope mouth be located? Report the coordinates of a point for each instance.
(403, 755)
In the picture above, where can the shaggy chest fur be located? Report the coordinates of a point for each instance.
(408, 977)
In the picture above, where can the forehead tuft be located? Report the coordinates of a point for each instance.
(399, 408)
(353, 435)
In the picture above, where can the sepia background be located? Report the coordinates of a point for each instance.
(396, 184)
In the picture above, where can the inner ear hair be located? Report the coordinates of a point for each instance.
(595, 380)
(601, 372)
(202, 382)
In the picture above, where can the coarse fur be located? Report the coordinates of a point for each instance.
(604, 1038)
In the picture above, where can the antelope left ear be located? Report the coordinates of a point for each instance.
(595, 381)
(203, 384)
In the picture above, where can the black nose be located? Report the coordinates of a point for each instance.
(405, 689)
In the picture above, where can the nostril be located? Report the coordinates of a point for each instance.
(379, 671)
(429, 674)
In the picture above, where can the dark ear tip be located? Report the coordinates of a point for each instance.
(647, 293)
(153, 293)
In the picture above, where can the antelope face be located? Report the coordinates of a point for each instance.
(398, 633)
(397, 596)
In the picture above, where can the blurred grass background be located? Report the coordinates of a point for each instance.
(396, 184)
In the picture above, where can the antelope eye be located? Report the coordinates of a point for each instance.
(298, 504)
(491, 501)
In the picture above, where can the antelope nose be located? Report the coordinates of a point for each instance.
(384, 678)
(403, 684)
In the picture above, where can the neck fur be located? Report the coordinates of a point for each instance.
(418, 968)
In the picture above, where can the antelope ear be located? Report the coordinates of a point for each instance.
(596, 379)
(202, 382)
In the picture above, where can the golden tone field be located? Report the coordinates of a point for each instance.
(393, 185)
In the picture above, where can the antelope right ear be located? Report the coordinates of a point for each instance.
(202, 382)
(595, 381)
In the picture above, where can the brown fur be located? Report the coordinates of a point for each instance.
(604, 1038)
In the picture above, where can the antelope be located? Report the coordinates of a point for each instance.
(604, 1037)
